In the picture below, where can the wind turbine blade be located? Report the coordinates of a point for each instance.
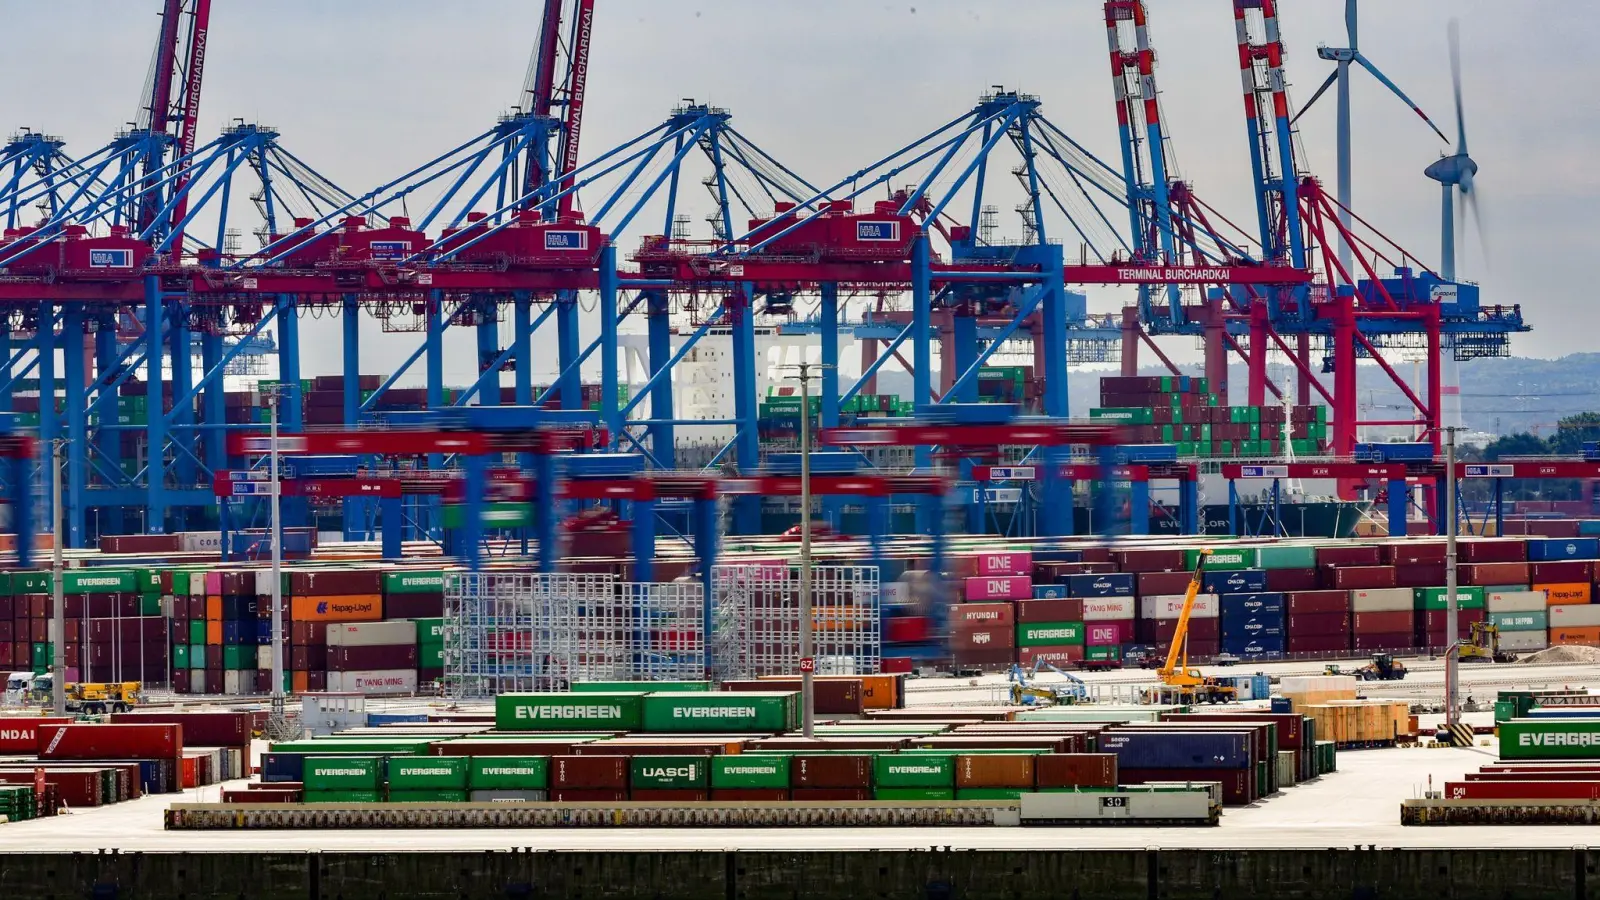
(1365, 64)
(1471, 198)
(1350, 24)
(1317, 96)
(1455, 78)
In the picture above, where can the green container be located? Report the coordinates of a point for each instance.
(43, 656)
(1103, 652)
(1520, 621)
(180, 656)
(724, 713)
(639, 687)
(668, 773)
(429, 773)
(884, 793)
(508, 773)
(343, 773)
(343, 797)
(197, 631)
(149, 605)
(1285, 557)
(99, 581)
(180, 582)
(1223, 558)
(895, 770)
(423, 581)
(991, 793)
(1504, 711)
(1125, 415)
(239, 656)
(430, 796)
(430, 631)
(568, 712)
(1550, 739)
(197, 656)
(30, 582)
(1436, 598)
(430, 656)
(1049, 634)
(750, 771)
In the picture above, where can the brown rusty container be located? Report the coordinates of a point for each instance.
(831, 794)
(1051, 743)
(872, 744)
(995, 770)
(336, 582)
(842, 697)
(1065, 610)
(830, 772)
(1152, 560)
(308, 633)
(1053, 770)
(589, 772)
(654, 748)
(588, 795)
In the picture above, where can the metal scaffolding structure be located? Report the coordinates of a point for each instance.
(756, 620)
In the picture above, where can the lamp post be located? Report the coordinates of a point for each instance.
(1452, 658)
(808, 663)
(58, 610)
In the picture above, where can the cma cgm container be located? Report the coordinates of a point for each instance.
(568, 712)
(768, 711)
(1550, 739)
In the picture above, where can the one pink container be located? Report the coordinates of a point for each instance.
(1104, 634)
(1000, 587)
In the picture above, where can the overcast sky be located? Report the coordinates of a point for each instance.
(363, 89)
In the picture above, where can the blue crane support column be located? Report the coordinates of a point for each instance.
(704, 512)
(546, 516)
(390, 533)
(292, 511)
(610, 353)
(1399, 506)
(523, 342)
(663, 437)
(832, 505)
(1189, 505)
(470, 535)
(109, 443)
(964, 344)
(183, 438)
(488, 350)
(1054, 330)
(643, 533)
(155, 458)
(922, 355)
(746, 440)
(77, 422)
(1138, 507)
(49, 421)
(1055, 494)
(569, 381)
(355, 508)
(434, 353)
(215, 400)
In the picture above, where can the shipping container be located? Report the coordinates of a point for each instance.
(995, 770)
(589, 773)
(342, 773)
(564, 712)
(1550, 739)
(767, 712)
(750, 772)
(1050, 634)
(428, 773)
(1105, 609)
(667, 773)
(914, 770)
(839, 771)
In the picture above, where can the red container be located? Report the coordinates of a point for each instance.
(1396, 641)
(1522, 790)
(1421, 575)
(1359, 578)
(1391, 622)
(75, 787)
(985, 638)
(791, 744)
(1104, 634)
(1350, 555)
(588, 795)
(1280, 581)
(832, 795)
(1075, 770)
(667, 796)
(20, 734)
(982, 615)
(750, 795)
(1155, 584)
(999, 587)
(335, 582)
(1434, 620)
(413, 606)
(839, 771)
(1495, 573)
(1564, 572)
(988, 659)
(1164, 629)
(308, 633)
(110, 741)
(1312, 602)
(842, 697)
(588, 772)
(1152, 560)
(1413, 553)
(1056, 656)
(200, 729)
(1487, 550)
(1068, 610)
(368, 659)
(1336, 623)
(1238, 785)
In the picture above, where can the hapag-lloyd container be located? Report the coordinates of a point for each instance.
(566, 712)
(770, 711)
(1108, 634)
(507, 773)
(999, 587)
(1103, 609)
(336, 608)
(1170, 606)
(389, 681)
(1550, 739)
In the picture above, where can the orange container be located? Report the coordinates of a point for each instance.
(1587, 635)
(1565, 594)
(997, 770)
(213, 632)
(337, 608)
(214, 609)
(299, 682)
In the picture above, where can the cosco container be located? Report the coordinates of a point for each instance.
(508, 773)
(769, 712)
(428, 773)
(1550, 739)
(343, 773)
(566, 712)
(668, 773)
(750, 771)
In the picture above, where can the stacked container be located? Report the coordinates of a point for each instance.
(373, 657)
(1382, 619)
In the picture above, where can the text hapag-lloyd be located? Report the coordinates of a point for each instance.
(569, 712)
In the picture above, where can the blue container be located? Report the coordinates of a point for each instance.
(1282, 705)
(374, 719)
(283, 766)
(1049, 591)
(1252, 630)
(233, 632)
(1241, 581)
(1257, 652)
(1557, 549)
(1250, 605)
(1058, 556)
(1114, 584)
(1589, 526)
(1177, 749)
(263, 631)
(1258, 640)
(239, 608)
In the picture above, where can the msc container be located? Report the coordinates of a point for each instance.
(750, 772)
(769, 712)
(589, 772)
(1108, 609)
(507, 773)
(1550, 739)
(1049, 634)
(371, 634)
(914, 770)
(429, 773)
(667, 773)
(343, 773)
(840, 771)
(564, 712)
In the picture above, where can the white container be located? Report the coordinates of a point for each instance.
(1286, 768)
(1108, 609)
(1574, 615)
(197, 681)
(230, 682)
(197, 584)
(372, 634)
(1131, 804)
(1170, 606)
(264, 583)
(1524, 640)
(1382, 600)
(202, 541)
(390, 681)
(1515, 601)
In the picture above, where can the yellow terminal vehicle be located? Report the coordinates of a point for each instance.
(1179, 683)
(91, 698)
(1484, 645)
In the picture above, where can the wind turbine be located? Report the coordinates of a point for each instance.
(1341, 76)
(1455, 173)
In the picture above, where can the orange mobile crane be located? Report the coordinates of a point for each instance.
(1179, 683)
